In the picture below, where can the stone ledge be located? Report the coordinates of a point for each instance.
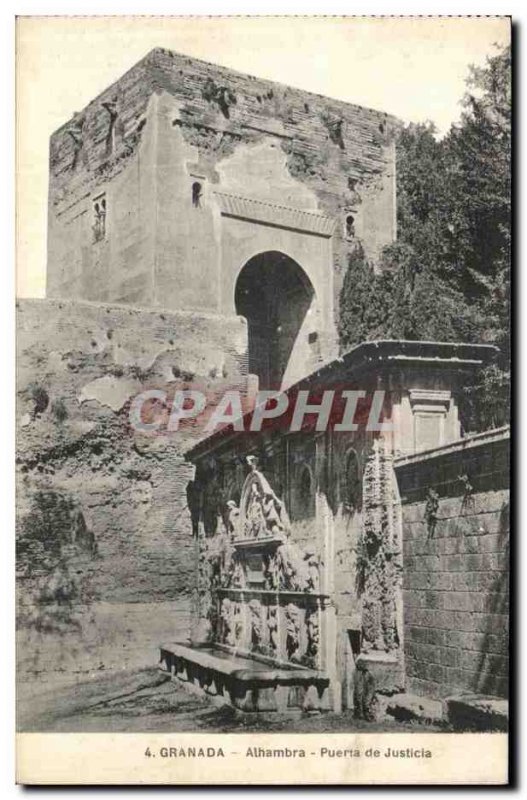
(477, 712)
(472, 442)
(385, 669)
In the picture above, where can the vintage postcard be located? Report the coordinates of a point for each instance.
(263, 390)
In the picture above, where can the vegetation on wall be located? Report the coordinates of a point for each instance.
(447, 277)
(55, 553)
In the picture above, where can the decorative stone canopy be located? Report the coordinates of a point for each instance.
(421, 380)
(317, 595)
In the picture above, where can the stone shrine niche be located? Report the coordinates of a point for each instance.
(262, 513)
(263, 591)
(336, 611)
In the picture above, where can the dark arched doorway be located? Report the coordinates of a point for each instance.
(274, 294)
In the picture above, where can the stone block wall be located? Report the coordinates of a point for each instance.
(455, 504)
(104, 534)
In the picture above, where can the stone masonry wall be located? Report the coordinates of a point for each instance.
(105, 548)
(145, 153)
(456, 566)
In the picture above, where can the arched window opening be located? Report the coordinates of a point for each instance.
(351, 484)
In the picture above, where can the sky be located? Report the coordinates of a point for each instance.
(413, 67)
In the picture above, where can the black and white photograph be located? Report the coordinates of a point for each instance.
(263, 391)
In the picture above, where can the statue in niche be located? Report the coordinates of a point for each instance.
(262, 511)
(220, 558)
(225, 568)
(237, 580)
(238, 623)
(313, 637)
(232, 519)
(273, 509)
(255, 520)
(291, 568)
(214, 572)
(272, 626)
(271, 572)
(286, 569)
(313, 574)
(292, 631)
(256, 624)
(227, 622)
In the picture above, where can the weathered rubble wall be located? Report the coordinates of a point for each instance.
(456, 566)
(104, 534)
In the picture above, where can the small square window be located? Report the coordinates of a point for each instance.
(197, 192)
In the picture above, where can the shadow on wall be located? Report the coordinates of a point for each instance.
(498, 592)
(56, 555)
(490, 670)
(274, 294)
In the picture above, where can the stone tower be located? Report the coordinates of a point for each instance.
(187, 186)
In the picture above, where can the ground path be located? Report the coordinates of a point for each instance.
(147, 700)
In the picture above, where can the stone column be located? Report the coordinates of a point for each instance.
(201, 624)
(380, 565)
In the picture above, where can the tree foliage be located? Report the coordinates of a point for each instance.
(447, 277)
